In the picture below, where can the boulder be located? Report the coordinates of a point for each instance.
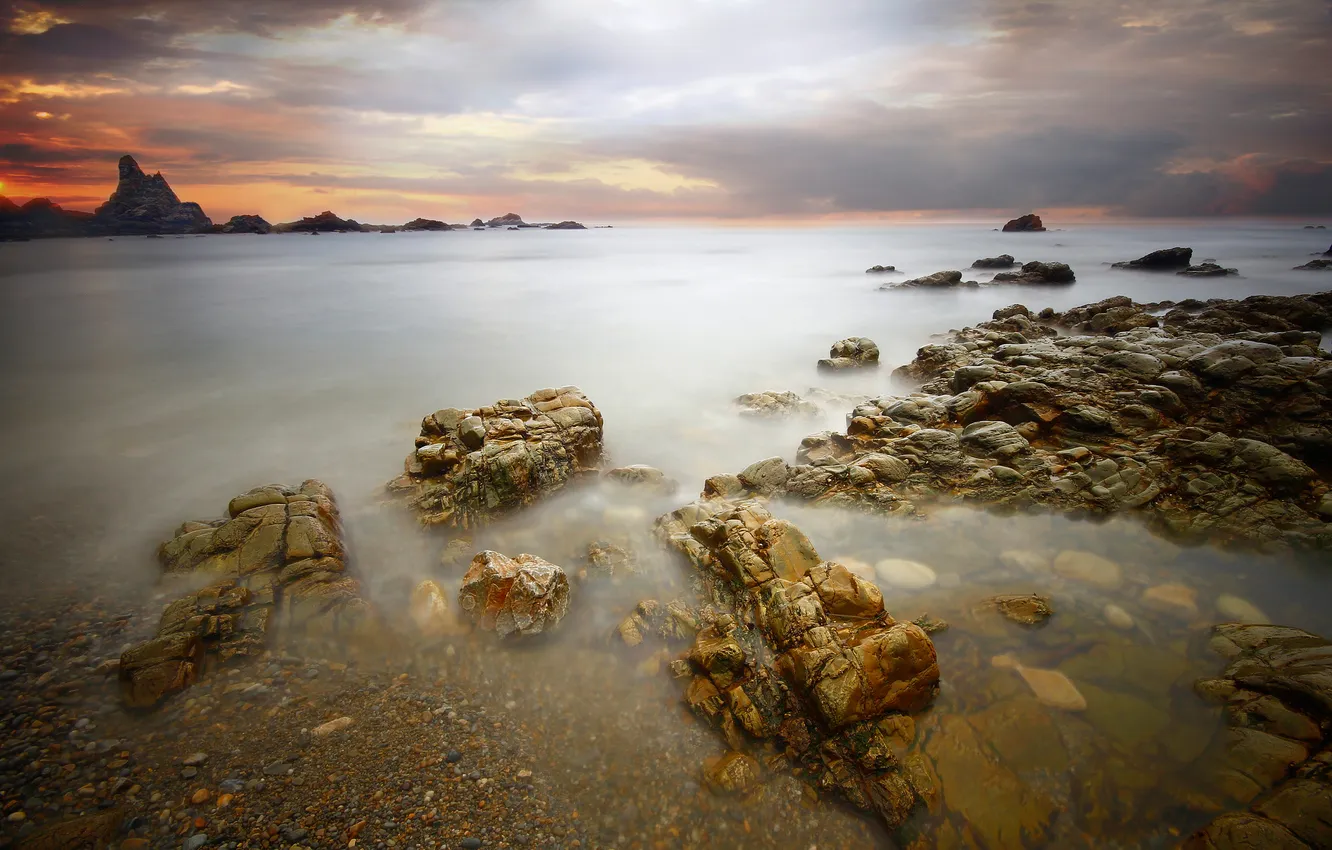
(523, 595)
(274, 571)
(1029, 223)
(247, 224)
(1003, 261)
(826, 670)
(851, 353)
(1038, 272)
(643, 477)
(1164, 259)
(470, 466)
(145, 204)
(938, 279)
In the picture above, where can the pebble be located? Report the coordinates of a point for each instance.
(277, 768)
(1117, 617)
(17, 817)
(470, 843)
(331, 726)
(1178, 599)
(194, 842)
(911, 575)
(453, 757)
(199, 797)
(195, 760)
(189, 772)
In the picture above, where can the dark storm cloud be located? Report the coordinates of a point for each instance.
(263, 17)
(77, 49)
(22, 153)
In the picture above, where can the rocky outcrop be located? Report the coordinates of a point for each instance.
(1315, 265)
(776, 405)
(523, 595)
(470, 466)
(1164, 259)
(1277, 694)
(476, 222)
(40, 218)
(1212, 425)
(1038, 272)
(566, 225)
(505, 220)
(1029, 223)
(1003, 261)
(799, 652)
(276, 562)
(145, 204)
(938, 279)
(426, 224)
(324, 222)
(851, 353)
(880, 269)
(246, 224)
(1207, 270)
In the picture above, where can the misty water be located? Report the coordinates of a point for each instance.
(145, 382)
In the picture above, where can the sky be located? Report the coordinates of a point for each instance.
(615, 110)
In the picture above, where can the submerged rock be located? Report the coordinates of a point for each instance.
(1277, 688)
(470, 466)
(1178, 599)
(910, 575)
(1207, 270)
(851, 353)
(1166, 258)
(1236, 610)
(1029, 223)
(1003, 261)
(276, 563)
(523, 595)
(771, 404)
(823, 668)
(1029, 609)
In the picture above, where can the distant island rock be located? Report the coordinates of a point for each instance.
(40, 217)
(246, 224)
(426, 224)
(1315, 227)
(1315, 266)
(505, 220)
(325, 222)
(1166, 258)
(1029, 223)
(476, 222)
(1003, 261)
(880, 269)
(566, 225)
(144, 203)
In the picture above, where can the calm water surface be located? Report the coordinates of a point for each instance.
(147, 381)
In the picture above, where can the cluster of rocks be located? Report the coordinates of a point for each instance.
(276, 563)
(1277, 694)
(797, 651)
(1316, 265)
(1033, 272)
(472, 465)
(1038, 272)
(772, 404)
(1207, 269)
(855, 352)
(880, 269)
(1211, 421)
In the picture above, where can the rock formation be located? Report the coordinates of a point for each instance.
(523, 595)
(246, 224)
(145, 204)
(325, 222)
(276, 563)
(1003, 261)
(851, 353)
(776, 404)
(426, 224)
(506, 219)
(938, 279)
(472, 465)
(1038, 272)
(1277, 693)
(1213, 422)
(643, 477)
(799, 652)
(476, 222)
(1315, 265)
(1166, 258)
(1029, 223)
(1207, 270)
(566, 225)
(880, 269)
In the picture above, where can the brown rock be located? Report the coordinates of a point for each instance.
(523, 595)
(1029, 609)
(731, 773)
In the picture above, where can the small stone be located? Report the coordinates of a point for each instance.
(470, 843)
(911, 575)
(1090, 568)
(223, 800)
(87, 791)
(194, 842)
(17, 817)
(189, 772)
(277, 768)
(453, 757)
(1053, 688)
(1177, 599)
(195, 760)
(199, 797)
(1237, 610)
(1117, 617)
(331, 726)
